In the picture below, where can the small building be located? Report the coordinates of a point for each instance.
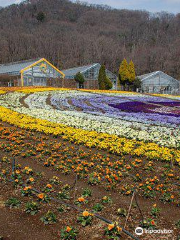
(90, 73)
(40, 72)
(159, 82)
(37, 72)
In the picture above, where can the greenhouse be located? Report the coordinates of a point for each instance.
(90, 73)
(159, 82)
(30, 73)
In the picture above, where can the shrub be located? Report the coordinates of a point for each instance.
(85, 219)
(13, 203)
(98, 207)
(49, 218)
(32, 208)
(122, 212)
(68, 233)
(155, 211)
(87, 192)
(113, 231)
(106, 199)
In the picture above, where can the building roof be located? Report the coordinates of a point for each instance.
(16, 67)
(149, 75)
(75, 70)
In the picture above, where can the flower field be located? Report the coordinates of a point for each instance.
(70, 156)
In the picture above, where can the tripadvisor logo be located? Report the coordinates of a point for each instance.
(139, 231)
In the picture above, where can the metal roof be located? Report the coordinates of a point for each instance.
(75, 70)
(16, 67)
(149, 75)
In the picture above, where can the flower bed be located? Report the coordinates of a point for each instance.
(93, 112)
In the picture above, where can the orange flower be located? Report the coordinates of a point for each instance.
(26, 188)
(41, 195)
(152, 222)
(119, 229)
(172, 196)
(154, 205)
(31, 179)
(81, 199)
(110, 226)
(85, 214)
(68, 229)
(49, 185)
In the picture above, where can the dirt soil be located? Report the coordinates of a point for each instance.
(15, 224)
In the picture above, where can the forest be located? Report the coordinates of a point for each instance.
(72, 34)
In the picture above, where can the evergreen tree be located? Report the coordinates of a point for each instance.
(102, 77)
(108, 83)
(124, 72)
(132, 74)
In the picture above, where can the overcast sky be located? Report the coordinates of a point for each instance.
(150, 5)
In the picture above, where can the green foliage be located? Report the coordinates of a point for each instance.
(79, 78)
(106, 199)
(63, 195)
(49, 218)
(102, 77)
(155, 211)
(32, 208)
(148, 223)
(136, 83)
(69, 233)
(103, 81)
(12, 203)
(108, 83)
(178, 224)
(113, 232)
(93, 180)
(122, 212)
(98, 207)
(85, 219)
(87, 192)
(63, 208)
(41, 17)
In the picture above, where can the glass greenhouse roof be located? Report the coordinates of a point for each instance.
(16, 67)
(71, 72)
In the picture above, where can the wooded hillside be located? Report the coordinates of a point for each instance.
(71, 34)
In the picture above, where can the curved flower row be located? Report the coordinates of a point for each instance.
(38, 108)
(112, 143)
